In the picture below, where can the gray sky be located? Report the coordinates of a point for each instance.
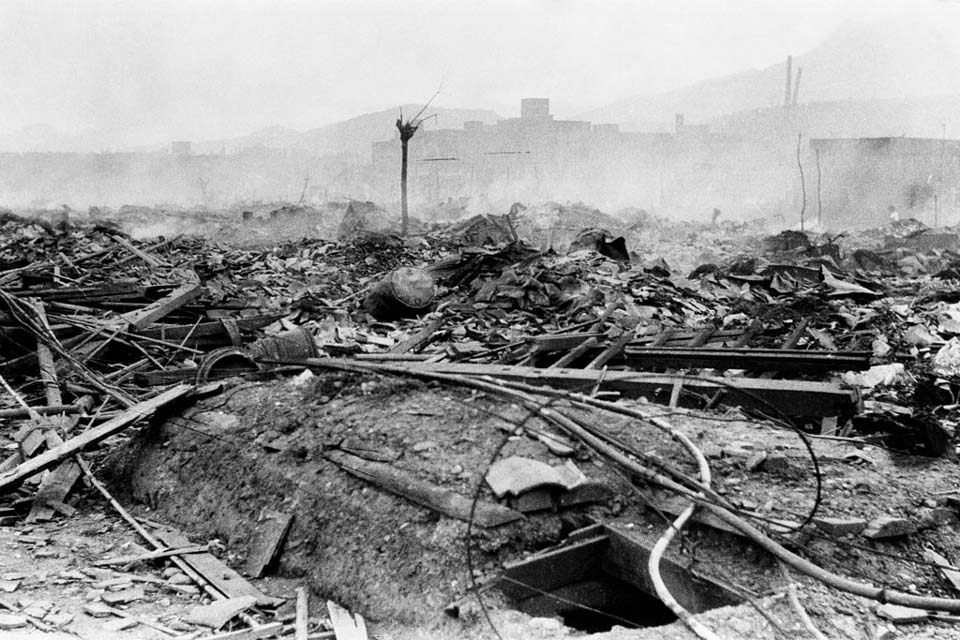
(159, 70)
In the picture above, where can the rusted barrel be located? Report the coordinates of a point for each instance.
(289, 346)
(402, 293)
(225, 363)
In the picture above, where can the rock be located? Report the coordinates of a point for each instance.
(840, 526)
(779, 464)
(37, 609)
(179, 578)
(755, 461)
(711, 450)
(179, 625)
(114, 598)
(120, 624)
(886, 632)
(58, 619)
(920, 336)
(947, 360)
(936, 517)
(12, 621)
(545, 625)
(423, 446)
(888, 527)
(217, 614)
(97, 610)
(171, 571)
(557, 444)
(952, 575)
(901, 615)
(881, 374)
(9, 586)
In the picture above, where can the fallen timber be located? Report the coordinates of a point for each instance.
(74, 445)
(792, 397)
(746, 358)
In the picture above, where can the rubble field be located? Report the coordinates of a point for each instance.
(495, 427)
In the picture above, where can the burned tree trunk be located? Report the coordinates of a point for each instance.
(406, 129)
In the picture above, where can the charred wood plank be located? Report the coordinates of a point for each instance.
(171, 302)
(793, 397)
(211, 569)
(746, 358)
(131, 416)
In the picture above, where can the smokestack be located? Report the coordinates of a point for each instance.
(678, 122)
(786, 91)
(796, 86)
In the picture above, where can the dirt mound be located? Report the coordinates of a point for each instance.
(218, 469)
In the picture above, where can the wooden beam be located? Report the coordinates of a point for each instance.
(574, 353)
(614, 349)
(746, 358)
(131, 416)
(165, 306)
(792, 397)
(418, 340)
(222, 577)
(302, 625)
(267, 542)
(151, 260)
(152, 555)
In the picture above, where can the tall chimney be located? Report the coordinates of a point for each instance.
(796, 86)
(786, 91)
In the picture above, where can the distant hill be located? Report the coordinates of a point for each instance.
(933, 117)
(902, 56)
(352, 137)
(42, 137)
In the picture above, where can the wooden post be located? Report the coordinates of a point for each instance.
(303, 614)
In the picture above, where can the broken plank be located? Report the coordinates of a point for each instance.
(212, 332)
(439, 499)
(418, 340)
(301, 628)
(153, 555)
(165, 306)
(131, 416)
(575, 353)
(793, 397)
(151, 260)
(345, 625)
(614, 349)
(262, 631)
(266, 544)
(950, 572)
(53, 489)
(66, 409)
(746, 358)
(561, 341)
(222, 577)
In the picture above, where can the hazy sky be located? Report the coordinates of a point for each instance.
(158, 70)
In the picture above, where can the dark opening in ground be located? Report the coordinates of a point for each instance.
(601, 580)
(597, 605)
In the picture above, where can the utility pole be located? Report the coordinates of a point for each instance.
(819, 203)
(803, 186)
